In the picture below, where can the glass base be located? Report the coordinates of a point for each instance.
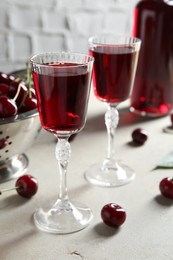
(109, 176)
(61, 219)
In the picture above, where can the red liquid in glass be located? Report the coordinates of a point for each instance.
(62, 93)
(153, 87)
(114, 70)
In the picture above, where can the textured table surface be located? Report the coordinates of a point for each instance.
(147, 232)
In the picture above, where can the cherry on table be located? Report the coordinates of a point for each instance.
(26, 186)
(139, 136)
(113, 215)
(166, 187)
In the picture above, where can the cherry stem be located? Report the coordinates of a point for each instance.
(17, 79)
(28, 84)
(28, 79)
(18, 91)
(23, 100)
(9, 189)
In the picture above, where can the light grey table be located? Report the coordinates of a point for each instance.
(148, 230)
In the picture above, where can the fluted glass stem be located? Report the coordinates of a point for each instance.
(111, 122)
(110, 172)
(63, 152)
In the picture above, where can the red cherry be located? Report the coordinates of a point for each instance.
(4, 89)
(13, 86)
(4, 78)
(139, 136)
(3, 143)
(11, 78)
(29, 104)
(26, 186)
(113, 215)
(166, 187)
(16, 96)
(7, 107)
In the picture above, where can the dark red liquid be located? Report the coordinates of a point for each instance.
(153, 87)
(62, 93)
(114, 70)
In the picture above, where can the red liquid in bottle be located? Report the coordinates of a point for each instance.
(152, 93)
(114, 70)
(63, 96)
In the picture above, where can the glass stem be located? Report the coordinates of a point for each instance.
(111, 122)
(63, 152)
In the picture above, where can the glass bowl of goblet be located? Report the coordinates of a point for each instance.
(113, 76)
(62, 82)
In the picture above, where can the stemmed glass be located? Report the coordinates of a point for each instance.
(114, 71)
(62, 82)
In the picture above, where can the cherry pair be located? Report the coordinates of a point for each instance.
(16, 96)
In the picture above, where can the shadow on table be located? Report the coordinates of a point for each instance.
(163, 201)
(105, 231)
(15, 241)
(79, 190)
(12, 201)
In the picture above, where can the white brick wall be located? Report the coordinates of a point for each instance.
(31, 26)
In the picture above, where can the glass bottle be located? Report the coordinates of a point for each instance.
(152, 94)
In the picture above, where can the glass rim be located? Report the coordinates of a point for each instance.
(89, 59)
(94, 40)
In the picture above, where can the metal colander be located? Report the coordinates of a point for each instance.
(16, 136)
